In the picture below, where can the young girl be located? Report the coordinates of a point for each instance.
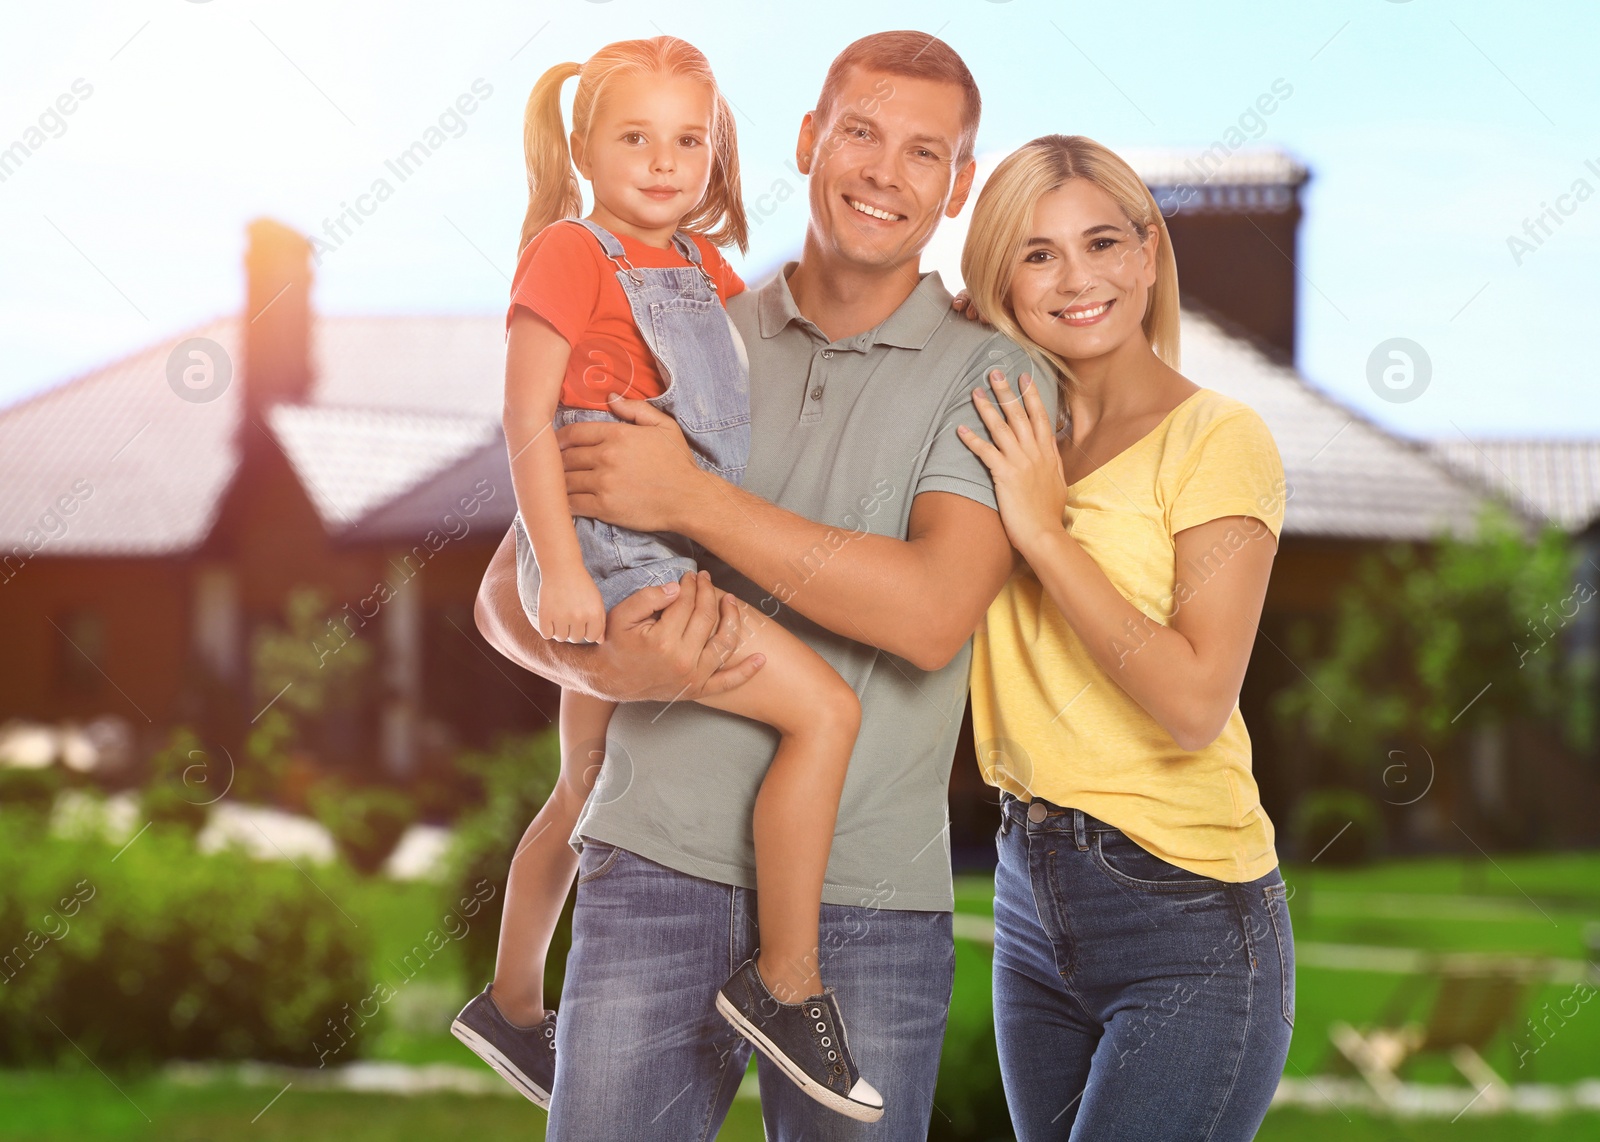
(1144, 960)
(628, 303)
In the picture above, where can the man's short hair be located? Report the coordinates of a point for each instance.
(913, 55)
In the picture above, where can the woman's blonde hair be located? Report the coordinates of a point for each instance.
(1002, 220)
(553, 192)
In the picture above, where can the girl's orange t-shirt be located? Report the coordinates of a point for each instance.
(565, 277)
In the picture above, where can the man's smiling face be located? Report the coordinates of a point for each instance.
(884, 167)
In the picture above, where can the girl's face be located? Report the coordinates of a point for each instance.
(648, 152)
(1083, 276)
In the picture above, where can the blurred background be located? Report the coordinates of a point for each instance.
(260, 776)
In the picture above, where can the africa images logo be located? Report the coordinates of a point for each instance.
(199, 370)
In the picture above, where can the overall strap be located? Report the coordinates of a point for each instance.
(686, 246)
(613, 250)
(608, 241)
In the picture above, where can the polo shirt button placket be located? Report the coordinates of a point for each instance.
(812, 405)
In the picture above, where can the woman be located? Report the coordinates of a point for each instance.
(1144, 963)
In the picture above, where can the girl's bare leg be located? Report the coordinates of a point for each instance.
(544, 865)
(798, 694)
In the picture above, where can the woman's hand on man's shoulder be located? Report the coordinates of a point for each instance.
(963, 304)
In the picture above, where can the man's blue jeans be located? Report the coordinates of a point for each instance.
(641, 1052)
(1134, 1000)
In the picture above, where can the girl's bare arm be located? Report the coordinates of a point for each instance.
(536, 362)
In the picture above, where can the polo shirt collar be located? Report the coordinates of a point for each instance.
(909, 327)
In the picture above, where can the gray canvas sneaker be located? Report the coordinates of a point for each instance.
(805, 1040)
(524, 1056)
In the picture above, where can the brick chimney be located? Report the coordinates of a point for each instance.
(1235, 221)
(277, 320)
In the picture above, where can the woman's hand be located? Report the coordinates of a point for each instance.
(570, 607)
(1023, 460)
(962, 304)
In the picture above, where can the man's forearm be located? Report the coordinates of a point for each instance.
(915, 598)
(663, 643)
(502, 621)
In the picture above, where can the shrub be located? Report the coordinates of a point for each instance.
(366, 824)
(160, 952)
(30, 791)
(1326, 815)
(176, 793)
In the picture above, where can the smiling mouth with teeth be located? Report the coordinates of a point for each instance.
(874, 212)
(1072, 317)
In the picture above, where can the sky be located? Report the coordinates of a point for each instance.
(1454, 150)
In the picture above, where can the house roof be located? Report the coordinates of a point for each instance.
(396, 401)
(355, 460)
(155, 466)
(1175, 167)
(1348, 478)
(1557, 480)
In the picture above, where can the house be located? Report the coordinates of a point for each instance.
(155, 513)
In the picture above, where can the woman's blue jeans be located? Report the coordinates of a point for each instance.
(1133, 999)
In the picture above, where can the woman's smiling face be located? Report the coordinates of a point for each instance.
(1083, 276)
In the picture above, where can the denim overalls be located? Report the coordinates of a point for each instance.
(707, 383)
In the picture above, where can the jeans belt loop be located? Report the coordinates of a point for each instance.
(1080, 833)
(1005, 816)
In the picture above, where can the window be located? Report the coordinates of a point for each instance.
(80, 652)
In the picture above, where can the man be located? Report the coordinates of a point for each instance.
(866, 527)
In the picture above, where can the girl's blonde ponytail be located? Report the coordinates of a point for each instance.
(552, 182)
(720, 215)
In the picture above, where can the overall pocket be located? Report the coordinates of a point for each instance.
(626, 548)
(709, 389)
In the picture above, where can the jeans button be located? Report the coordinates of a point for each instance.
(1037, 812)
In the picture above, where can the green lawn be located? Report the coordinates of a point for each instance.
(82, 1105)
(1538, 905)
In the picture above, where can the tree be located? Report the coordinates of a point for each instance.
(1428, 648)
(302, 673)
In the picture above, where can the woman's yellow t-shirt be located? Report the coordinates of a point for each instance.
(1051, 723)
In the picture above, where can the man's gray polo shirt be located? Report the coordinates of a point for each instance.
(846, 433)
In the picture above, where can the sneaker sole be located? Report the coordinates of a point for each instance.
(859, 1111)
(507, 1070)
